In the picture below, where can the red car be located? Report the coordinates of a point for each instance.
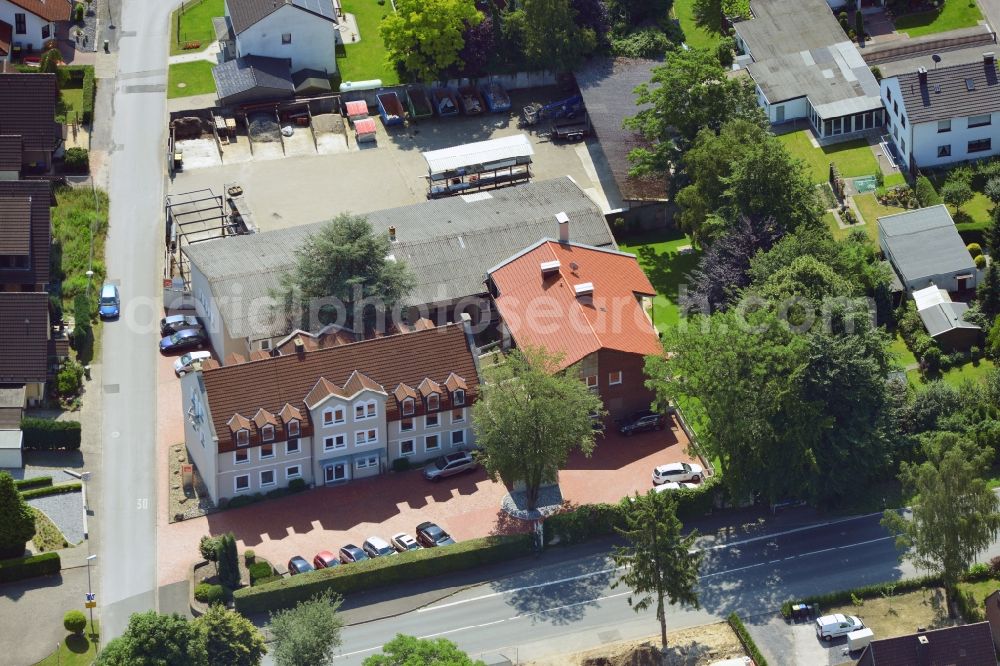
(325, 559)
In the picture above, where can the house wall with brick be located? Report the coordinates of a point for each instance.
(621, 383)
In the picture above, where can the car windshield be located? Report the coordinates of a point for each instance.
(385, 550)
(441, 463)
(185, 359)
(107, 300)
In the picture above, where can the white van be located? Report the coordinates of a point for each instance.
(829, 627)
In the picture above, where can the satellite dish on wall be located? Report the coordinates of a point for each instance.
(936, 58)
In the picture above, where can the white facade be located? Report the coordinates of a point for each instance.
(28, 29)
(939, 142)
(10, 449)
(782, 112)
(308, 40)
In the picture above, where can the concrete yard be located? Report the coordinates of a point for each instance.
(199, 153)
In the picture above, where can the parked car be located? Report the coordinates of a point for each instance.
(184, 363)
(377, 547)
(673, 485)
(185, 339)
(449, 465)
(351, 553)
(109, 305)
(430, 535)
(325, 559)
(174, 323)
(298, 565)
(678, 472)
(829, 627)
(403, 542)
(641, 422)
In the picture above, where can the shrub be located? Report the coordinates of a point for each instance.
(975, 249)
(995, 565)
(36, 482)
(45, 434)
(843, 597)
(980, 261)
(975, 353)
(75, 621)
(208, 593)
(190, 46)
(78, 10)
(276, 493)
(21, 568)
(926, 194)
(584, 523)
(877, 73)
(244, 500)
(932, 360)
(77, 160)
(297, 486)
(70, 379)
(62, 488)
(208, 546)
(228, 560)
(368, 574)
(249, 556)
(260, 571)
(89, 93)
(725, 52)
(745, 638)
(648, 42)
(400, 464)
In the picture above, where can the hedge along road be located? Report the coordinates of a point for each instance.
(571, 607)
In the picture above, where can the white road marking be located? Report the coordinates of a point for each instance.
(579, 603)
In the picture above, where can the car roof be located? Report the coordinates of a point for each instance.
(297, 558)
(378, 542)
(402, 536)
(349, 547)
(108, 290)
(830, 619)
(188, 333)
(425, 525)
(671, 467)
(325, 554)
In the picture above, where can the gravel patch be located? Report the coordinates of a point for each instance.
(58, 476)
(66, 511)
(550, 500)
(263, 127)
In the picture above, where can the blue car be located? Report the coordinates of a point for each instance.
(186, 339)
(109, 306)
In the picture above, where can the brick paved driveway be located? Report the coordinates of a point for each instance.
(467, 506)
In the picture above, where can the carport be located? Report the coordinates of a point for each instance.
(483, 165)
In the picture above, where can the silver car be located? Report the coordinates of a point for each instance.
(449, 465)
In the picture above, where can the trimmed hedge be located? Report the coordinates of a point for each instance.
(748, 643)
(52, 490)
(86, 73)
(381, 571)
(46, 434)
(259, 571)
(36, 482)
(842, 597)
(22, 568)
(207, 593)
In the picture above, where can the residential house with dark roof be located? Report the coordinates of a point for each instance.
(590, 306)
(28, 131)
(448, 245)
(29, 24)
(964, 645)
(252, 79)
(944, 115)
(332, 414)
(303, 32)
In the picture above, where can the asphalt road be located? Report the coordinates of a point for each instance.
(572, 606)
(127, 556)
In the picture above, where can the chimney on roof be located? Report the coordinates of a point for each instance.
(584, 289)
(300, 346)
(563, 220)
(392, 233)
(988, 57)
(922, 75)
(550, 267)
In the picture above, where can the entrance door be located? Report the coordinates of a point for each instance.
(335, 473)
(779, 114)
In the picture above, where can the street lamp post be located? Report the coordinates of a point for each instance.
(90, 592)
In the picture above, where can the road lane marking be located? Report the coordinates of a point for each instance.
(579, 603)
(440, 633)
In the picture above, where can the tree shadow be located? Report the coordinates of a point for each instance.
(77, 643)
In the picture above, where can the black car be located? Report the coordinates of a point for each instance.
(641, 422)
(298, 565)
(430, 535)
(174, 323)
(187, 339)
(351, 553)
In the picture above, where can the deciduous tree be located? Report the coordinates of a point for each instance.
(658, 560)
(956, 514)
(230, 639)
(410, 651)
(425, 36)
(549, 35)
(308, 633)
(17, 526)
(530, 417)
(152, 639)
(956, 193)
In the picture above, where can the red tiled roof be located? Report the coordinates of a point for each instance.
(455, 382)
(264, 417)
(429, 386)
(404, 391)
(28, 109)
(50, 10)
(289, 413)
(966, 645)
(24, 337)
(6, 35)
(238, 422)
(545, 310)
(258, 354)
(235, 358)
(388, 361)
(39, 192)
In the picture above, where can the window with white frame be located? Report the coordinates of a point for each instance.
(334, 443)
(291, 446)
(334, 416)
(980, 121)
(431, 421)
(458, 416)
(432, 442)
(267, 434)
(241, 483)
(591, 382)
(944, 151)
(615, 377)
(407, 448)
(364, 410)
(433, 401)
(362, 437)
(458, 438)
(367, 462)
(266, 451)
(267, 478)
(408, 406)
(242, 438)
(458, 397)
(293, 472)
(944, 126)
(293, 428)
(328, 417)
(406, 425)
(240, 457)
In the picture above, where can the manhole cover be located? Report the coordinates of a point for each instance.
(111, 388)
(182, 85)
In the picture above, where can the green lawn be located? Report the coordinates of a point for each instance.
(694, 36)
(190, 78)
(366, 59)
(193, 23)
(970, 371)
(977, 211)
(955, 14)
(74, 650)
(70, 105)
(871, 210)
(853, 158)
(902, 352)
(666, 269)
(893, 179)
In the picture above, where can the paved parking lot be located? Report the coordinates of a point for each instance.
(326, 518)
(782, 642)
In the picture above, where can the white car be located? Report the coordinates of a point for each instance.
(673, 485)
(829, 627)
(403, 542)
(184, 363)
(677, 472)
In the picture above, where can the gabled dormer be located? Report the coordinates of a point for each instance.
(292, 418)
(456, 388)
(430, 390)
(266, 423)
(239, 427)
(406, 397)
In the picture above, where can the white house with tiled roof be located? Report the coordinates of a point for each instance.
(330, 415)
(30, 23)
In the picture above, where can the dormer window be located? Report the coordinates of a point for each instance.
(364, 410)
(267, 433)
(458, 397)
(408, 406)
(242, 438)
(293, 428)
(433, 402)
(334, 416)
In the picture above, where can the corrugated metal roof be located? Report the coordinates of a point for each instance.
(944, 317)
(479, 152)
(924, 243)
(946, 94)
(448, 244)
